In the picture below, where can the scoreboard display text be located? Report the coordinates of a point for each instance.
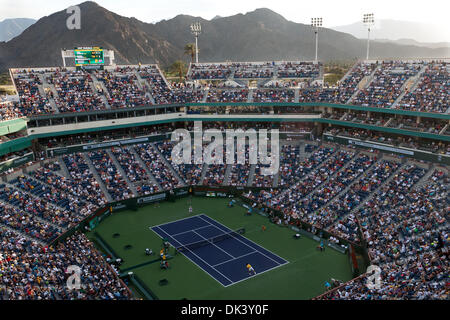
(87, 56)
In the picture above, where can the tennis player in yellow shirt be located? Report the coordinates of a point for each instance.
(250, 269)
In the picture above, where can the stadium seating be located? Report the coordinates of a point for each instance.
(353, 195)
(154, 161)
(432, 93)
(75, 93)
(33, 272)
(395, 207)
(387, 84)
(407, 85)
(111, 177)
(123, 90)
(403, 227)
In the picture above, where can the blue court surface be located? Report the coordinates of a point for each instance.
(224, 260)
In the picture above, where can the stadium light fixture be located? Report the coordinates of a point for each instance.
(196, 30)
(316, 23)
(369, 21)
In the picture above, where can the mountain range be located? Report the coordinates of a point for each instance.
(418, 32)
(259, 35)
(10, 28)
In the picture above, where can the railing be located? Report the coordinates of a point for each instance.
(339, 287)
(16, 162)
(305, 225)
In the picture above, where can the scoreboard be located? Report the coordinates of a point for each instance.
(88, 56)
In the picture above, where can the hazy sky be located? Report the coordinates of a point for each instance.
(334, 12)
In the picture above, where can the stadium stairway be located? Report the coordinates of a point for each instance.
(288, 189)
(344, 167)
(250, 95)
(372, 194)
(261, 83)
(43, 243)
(349, 72)
(444, 129)
(149, 95)
(239, 83)
(343, 116)
(64, 171)
(251, 175)
(97, 177)
(205, 95)
(41, 86)
(53, 105)
(45, 221)
(164, 78)
(204, 171)
(168, 164)
(60, 228)
(64, 202)
(275, 72)
(99, 84)
(321, 72)
(51, 87)
(35, 196)
(61, 168)
(116, 163)
(302, 152)
(388, 122)
(363, 84)
(232, 72)
(148, 87)
(226, 180)
(409, 85)
(102, 97)
(143, 165)
(67, 194)
(296, 95)
(357, 178)
(144, 86)
(412, 220)
(139, 80)
(276, 178)
(425, 177)
(41, 89)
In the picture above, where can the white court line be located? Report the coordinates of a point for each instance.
(162, 224)
(232, 257)
(212, 267)
(177, 234)
(199, 259)
(257, 274)
(244, 255)
(253, 243)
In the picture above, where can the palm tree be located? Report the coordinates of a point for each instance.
(189, 50)
(179, 68)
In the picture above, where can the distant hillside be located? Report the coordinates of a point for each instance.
(417, 43)
(10, 28)
(255, 36)
(41, 43)
(396, 30)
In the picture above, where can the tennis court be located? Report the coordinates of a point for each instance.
(219, 251)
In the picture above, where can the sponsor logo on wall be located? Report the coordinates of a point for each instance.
(152, 198)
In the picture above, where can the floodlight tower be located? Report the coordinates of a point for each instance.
(196, 30)
(316, 23)
(369, 21)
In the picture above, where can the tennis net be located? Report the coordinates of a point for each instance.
(221, 237)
